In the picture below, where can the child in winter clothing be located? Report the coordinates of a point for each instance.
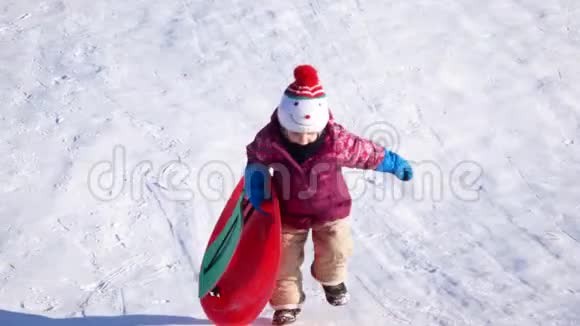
(307, 149)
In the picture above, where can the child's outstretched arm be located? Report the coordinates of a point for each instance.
(357, 152)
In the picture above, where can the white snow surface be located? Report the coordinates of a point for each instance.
(482, 96)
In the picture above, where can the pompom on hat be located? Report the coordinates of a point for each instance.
(303, 107)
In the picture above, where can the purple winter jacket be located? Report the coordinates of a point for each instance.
(315, 191)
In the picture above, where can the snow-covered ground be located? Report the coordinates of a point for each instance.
(484, 97)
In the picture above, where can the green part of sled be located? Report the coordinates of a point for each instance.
(219, 254)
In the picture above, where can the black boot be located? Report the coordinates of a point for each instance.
(288, 316)
(336, 295)
(285, 316)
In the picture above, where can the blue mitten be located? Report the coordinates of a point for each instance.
(404, 172)
(255, 183)
(395, 164)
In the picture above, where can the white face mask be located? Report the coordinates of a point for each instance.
(303, 115)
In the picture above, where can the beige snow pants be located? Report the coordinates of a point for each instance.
(332, 248)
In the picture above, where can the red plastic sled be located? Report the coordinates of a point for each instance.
(246, 281)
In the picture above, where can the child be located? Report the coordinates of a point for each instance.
(307, 149)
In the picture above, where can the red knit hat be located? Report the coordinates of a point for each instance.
(304, 107)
